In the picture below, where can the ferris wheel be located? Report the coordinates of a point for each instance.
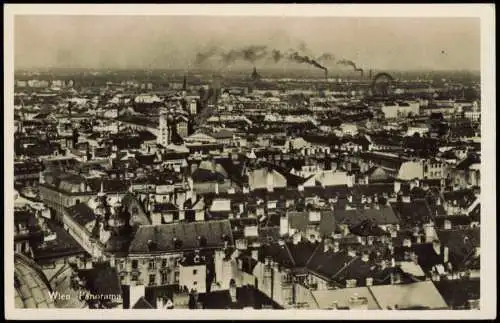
(382, 84)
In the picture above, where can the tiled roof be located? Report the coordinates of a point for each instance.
(186, 233)
(413, 213)
(27, 167)
(81, 213)
(458, 292)
(367, 228)
(328, 263)
(205, 175)
(461, 244)
(357, 270)
(31, 286)
(382, 216)
(301, 252)
(64, 245)
(427, 257)
(277, 252)
(298, 220)
(326, 298)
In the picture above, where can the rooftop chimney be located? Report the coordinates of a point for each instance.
(365, 257)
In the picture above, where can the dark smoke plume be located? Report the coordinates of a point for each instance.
(347, 63)
(277, 55)
(231, 56)
(250, 54)
(254, 53)
(352, 64)
(201, 57)
(296, 57)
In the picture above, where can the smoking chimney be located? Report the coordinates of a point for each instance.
(370, 74)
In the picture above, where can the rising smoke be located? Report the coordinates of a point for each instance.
(250, 54)
(347, 62)
(202, 57)
(254, 53)
(296, 57)
(276, 55)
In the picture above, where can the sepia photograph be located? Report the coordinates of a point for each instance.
(281, 159)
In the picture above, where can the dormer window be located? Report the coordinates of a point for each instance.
(202, 241)
(177, 243)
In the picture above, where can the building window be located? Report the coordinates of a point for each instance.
(135, 264)
(195, 271)
(152, 280)
(152, 264)
(176, 277)
(195, 283)
(164, 279)
(135, 277)
(164, 263)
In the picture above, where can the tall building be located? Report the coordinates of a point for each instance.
(193, 107)
(165, 130)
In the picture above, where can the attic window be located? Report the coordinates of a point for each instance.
(177, 243)
(202, 241)
(152, 245)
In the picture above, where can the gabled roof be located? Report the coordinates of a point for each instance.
(301, 252)
(328, 264)
(277, 252)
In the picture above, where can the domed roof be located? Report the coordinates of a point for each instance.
(31, 284)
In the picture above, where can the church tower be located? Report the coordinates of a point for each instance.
(164, 137)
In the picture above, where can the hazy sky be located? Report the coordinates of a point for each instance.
(173, 41)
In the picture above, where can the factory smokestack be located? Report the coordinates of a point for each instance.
(371, 74)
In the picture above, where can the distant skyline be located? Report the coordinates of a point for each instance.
(142, 42)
